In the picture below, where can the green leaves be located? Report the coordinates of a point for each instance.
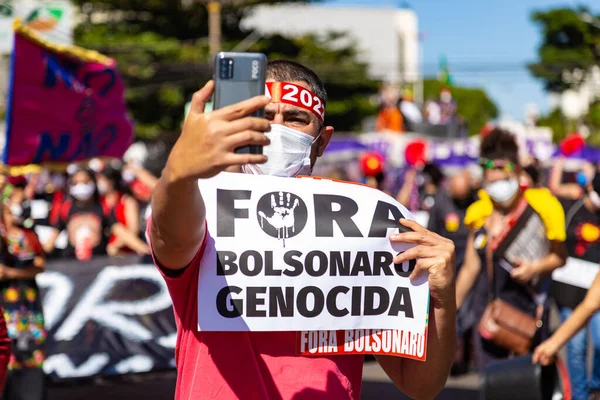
(570, 40)
(162, 52)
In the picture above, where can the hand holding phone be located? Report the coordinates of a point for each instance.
(207, 143)
(239, 77)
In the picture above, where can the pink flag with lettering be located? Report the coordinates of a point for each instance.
(65, 104)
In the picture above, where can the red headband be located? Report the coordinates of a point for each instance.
(295, 95)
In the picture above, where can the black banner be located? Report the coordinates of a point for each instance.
(106, 316)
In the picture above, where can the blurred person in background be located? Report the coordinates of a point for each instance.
(448, 107)
(57, 189)
(373, 168)
(420, 187)
(5, 348)
(583, 243)
(410, 112)
(570, 190)
(389, 117)
(141, 183)
(531, 175)
(117, 202)
(432, 111)
(87, 224)
(21, 301)
(568, 332)
(524, 288)
(447, 220)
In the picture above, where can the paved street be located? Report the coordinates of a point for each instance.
(160, 387)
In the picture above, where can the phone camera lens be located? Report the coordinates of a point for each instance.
(226, 68)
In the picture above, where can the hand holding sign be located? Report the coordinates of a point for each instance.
(207, 143)
(434, 254)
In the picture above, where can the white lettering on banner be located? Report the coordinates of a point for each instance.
(134, 364)
(60, 289)
(364, 341)
(304, 254)
(168, 341)
(290, 96)
(63, 367)
(94, 305)
(577, 272)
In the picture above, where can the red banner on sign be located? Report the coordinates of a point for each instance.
(363, 341)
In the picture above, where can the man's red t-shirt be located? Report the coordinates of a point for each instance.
(249, 365)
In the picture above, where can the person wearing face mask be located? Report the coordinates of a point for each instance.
(518, 285)
(237, 365)
(87, 224)
(23, 260)
(115, 201)
(583, 245)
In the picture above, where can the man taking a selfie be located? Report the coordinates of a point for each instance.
(264, 365)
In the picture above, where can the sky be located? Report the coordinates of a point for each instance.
(487, 43)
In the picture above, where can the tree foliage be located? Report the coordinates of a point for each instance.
(474, 105)
(570, 42)
(162, 51)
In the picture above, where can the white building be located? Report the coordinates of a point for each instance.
(388, 38)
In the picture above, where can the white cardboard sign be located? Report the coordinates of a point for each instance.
(304, 255)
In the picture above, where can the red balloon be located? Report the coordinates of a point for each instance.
(371, 163)
(572, 144)
(415, 153)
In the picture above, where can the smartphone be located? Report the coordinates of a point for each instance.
(238, 77)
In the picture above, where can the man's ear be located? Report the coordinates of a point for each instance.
(326, 133)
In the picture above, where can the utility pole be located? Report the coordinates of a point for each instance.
(214, 27)
(214, 23)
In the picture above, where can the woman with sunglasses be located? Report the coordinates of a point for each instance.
(502, 224)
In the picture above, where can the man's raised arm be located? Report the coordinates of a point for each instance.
(205, 148)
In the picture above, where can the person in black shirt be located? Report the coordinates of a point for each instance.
(87, 223)
(583, 244)
(447, 219)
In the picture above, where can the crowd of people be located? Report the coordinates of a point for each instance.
(92, 209)
(399, 112)
(513, 223)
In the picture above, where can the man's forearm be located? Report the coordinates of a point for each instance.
(178, 220)
(424, 380)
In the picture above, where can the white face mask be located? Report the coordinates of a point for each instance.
(288, 154)
(502, 191)
(595, 199)
(82, 191)
(445, 97)
(128, 176)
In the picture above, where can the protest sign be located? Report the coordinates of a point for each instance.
(309, 255)
(65, 104)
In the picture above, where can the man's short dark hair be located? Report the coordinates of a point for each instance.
(290, 71)
(499, 145)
